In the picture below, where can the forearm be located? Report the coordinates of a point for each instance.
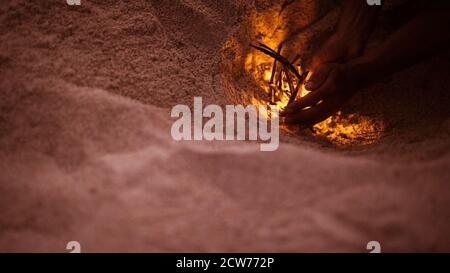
(421, 38)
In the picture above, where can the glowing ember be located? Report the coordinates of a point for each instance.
(284, 80)
(340, 129)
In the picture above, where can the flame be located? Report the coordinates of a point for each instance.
(340, 129)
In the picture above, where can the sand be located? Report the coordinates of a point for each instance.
(86, 152)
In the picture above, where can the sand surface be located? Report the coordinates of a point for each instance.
(86, 152)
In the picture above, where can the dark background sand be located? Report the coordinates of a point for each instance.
(86, 152)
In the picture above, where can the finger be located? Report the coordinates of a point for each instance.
(318, 77)
(314, 114)
(327, 54)
(312, 98)
(316, 61)
(321, 56)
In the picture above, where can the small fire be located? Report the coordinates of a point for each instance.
(339, 129)
(272, 29)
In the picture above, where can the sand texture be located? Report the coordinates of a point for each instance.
(86, 152)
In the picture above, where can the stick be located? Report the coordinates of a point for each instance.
(279, 58)
(297, 57)
(299, 83)
(272, 95)
(280, 79)
(267, 47)
(291, 87)
(274, 67)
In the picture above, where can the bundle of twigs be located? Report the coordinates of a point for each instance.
(287, 69)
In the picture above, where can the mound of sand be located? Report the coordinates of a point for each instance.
(86, 152)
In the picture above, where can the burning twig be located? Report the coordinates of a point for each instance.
(287, 68)
(272, 95)
(270, 52)
(297, 87)
(289, 80)
(296, 58)
(274, 67)
(280, 79)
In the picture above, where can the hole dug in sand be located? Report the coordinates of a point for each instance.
(248, 72)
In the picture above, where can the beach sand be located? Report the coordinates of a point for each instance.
(86, 152)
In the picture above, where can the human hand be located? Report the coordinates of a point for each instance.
(338, 48)
(331, 86)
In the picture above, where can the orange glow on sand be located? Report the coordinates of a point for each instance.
(270, 29)
(339, 129)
